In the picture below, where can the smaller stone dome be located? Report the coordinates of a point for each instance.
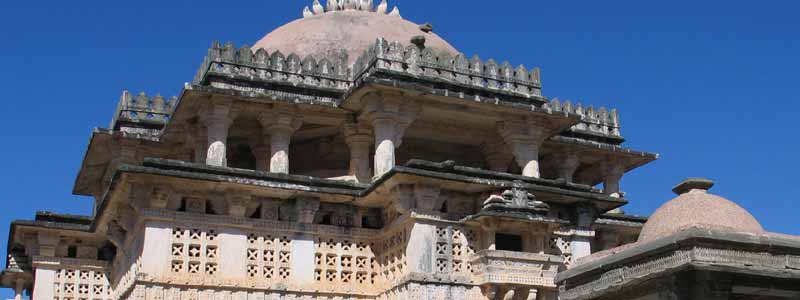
(695, 207)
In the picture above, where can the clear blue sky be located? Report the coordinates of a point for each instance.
(710, 85)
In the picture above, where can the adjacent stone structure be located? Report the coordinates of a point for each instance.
(697, 246)
(350, 154)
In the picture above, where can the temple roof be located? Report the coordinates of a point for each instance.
(347, 27)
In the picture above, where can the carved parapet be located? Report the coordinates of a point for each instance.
(459, 70)
(275, 67)
(516, 268)
(142, 113)
(593, 121)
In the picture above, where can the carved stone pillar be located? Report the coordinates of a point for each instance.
(525, 138)
(389, 116)
(280, 124)
(509, 295)
(19, 287)
(532, 294)
(613, 175)
(217, 118)
(359, 139)
(490, 228)
(261, 152)
(200, 140)
(568, 163)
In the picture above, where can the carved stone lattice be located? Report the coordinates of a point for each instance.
(269, 257)
(81, 284)
(194, 251)
(345, 264)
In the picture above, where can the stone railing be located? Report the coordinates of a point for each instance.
(275, 67)
(146, 111)
(518, 268)
(457, 70)
(333, 74)
(594, 121)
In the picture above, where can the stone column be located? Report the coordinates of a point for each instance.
(19, 287)
(525, 137)
(261, 152)
(583, 236)
(359, 139)
(201, 144)
(613, 175)
(568, 163)
(489, 231)
(389, 116)
(43, 286)
(280, 124)
(217, 118)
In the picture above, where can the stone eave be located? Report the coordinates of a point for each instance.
(695, 236)
(620, 220)
(97, 143)
(96, 135)
(496, 181)
(433, 86)
(514, 216)
(45, 226)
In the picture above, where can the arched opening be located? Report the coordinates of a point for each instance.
(241, 156)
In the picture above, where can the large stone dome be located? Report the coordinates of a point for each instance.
(351, 31)
(695, 207)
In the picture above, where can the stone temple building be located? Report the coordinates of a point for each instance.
(369, 159)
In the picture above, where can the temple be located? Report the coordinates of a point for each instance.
(352, 154)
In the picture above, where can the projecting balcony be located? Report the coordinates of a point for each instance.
(512, 268)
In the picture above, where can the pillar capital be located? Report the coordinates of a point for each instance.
(390, 114)
(613, 170)
(567, 162)
(217, 112)
(359, 138)
(525, 137)
(280, 118)
(279, 124)
(217, 117)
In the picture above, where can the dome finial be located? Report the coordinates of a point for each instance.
(382, 7)
(693, 184)
(317, 7)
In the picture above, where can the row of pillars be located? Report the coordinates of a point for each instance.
(383, 122)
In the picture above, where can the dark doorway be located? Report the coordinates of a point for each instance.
(508, 242)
